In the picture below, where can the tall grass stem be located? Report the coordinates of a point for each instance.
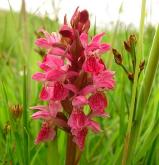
(127, 149)
(25, 120)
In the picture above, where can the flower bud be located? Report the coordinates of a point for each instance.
(142, 64)
(117, 57)
(132, 39)
(127, 46)
(16, 111)
(7, 128)
(80, 20)
(41, 52)
(131, 76)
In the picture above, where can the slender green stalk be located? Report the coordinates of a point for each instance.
(6, 115)
(71, 151)
(149, 75)
(25, 120)
(127, 147)
(52, 153)
(146, 87)
(148, 141)
(33, 160)
(145, 90)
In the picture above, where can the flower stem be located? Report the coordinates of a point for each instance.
(145, 90)
(127, 147)
(25, 120)
(71, 151)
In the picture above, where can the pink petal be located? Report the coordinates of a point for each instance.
(80, 137)
(46, 133)
(104, 48)
(44, 66)
(42, 43)
(79, 101)
(96, 114)
(77, 120)
(53, 38)
(59, 93)
(70, 74)
(44, 95)
(70, 87)
(39, 107)
(53, 62)
(49, 39)
(93, 47)
(57, 51)
(41, 115)
(98, 103)
(88, 89)
(39, 76)
(54, 75)
(104, 80)
(97, 38)
(93, 65)
(74, 17)
(84, 39)
(54, 107)
(94, 126)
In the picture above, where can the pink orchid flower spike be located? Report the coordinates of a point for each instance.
(73, 76)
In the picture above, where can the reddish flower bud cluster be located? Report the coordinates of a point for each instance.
(130, 47)
(74, 75)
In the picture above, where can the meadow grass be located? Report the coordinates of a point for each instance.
(18, 60)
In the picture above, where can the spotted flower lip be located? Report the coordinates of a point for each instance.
(80, 123)
(73, 76)
(46, 133)
(98, 103)
(93, 65)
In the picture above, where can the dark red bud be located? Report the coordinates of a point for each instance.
(131, 76)
(84, 16)
(117, 57)
(127, 46)
(132, 39)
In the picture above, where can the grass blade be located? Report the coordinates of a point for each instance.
(25, 120)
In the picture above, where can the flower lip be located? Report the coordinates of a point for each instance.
(77, 120)
(93, 65)
(98, 103)
(46, 133)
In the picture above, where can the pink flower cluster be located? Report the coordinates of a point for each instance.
(73, 76)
